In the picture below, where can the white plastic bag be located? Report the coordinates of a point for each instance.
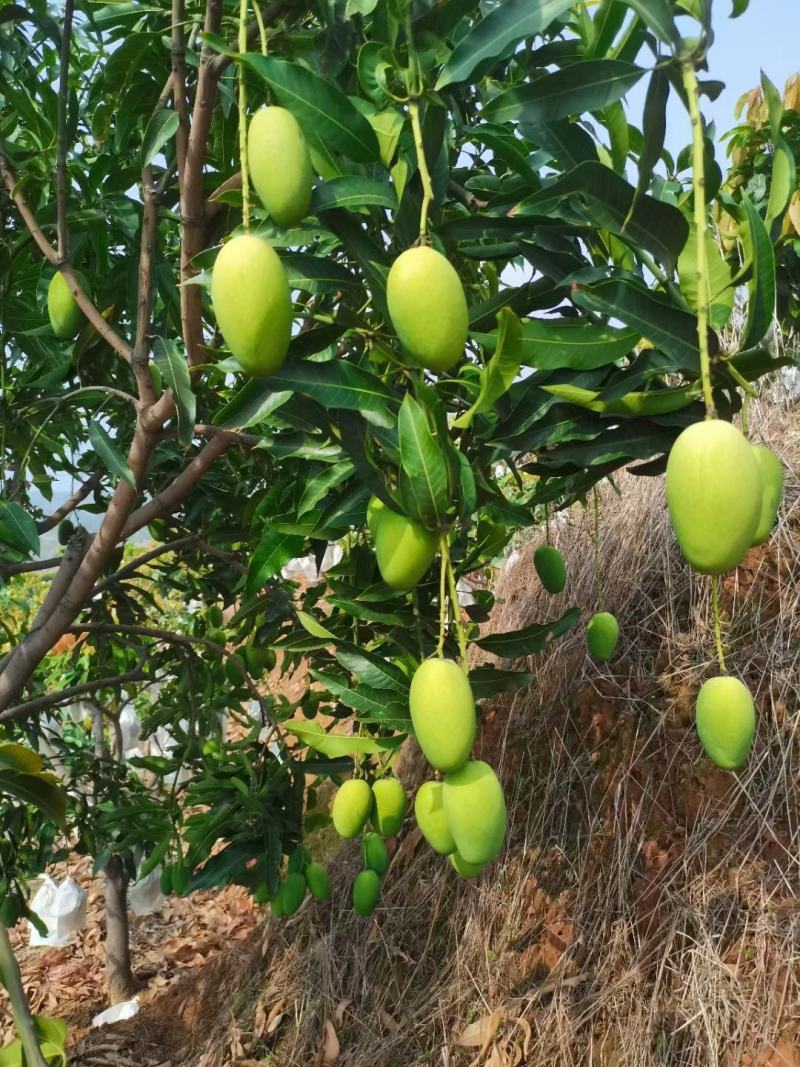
(131, 728)
(116, 1014)
(144, 895)
(63, 910)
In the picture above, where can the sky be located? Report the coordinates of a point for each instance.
(766, 37)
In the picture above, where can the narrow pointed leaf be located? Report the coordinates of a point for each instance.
(423, 468)
(498, 375)
(175, 374)
(108, 452)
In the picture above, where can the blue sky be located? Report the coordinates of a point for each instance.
(766, 37)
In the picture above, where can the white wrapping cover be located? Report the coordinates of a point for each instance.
(126, 1010)
(62, 908)
(131, 728)
(144, 895)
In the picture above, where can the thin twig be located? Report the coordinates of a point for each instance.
(68, 506)
(22, 711)
(63, 107)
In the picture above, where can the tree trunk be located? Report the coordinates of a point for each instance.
(120, 983)
(12, 980)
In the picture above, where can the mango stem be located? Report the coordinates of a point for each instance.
(442, 597)
(717, 623)
(424, 173)
(597, 578)
(455, 607)
(243, 118)
(262, 33)
(692, 88)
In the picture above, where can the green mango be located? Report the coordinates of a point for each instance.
(279, 164)
(375, 509)
(443, 713)
(476, 811)
(551, 568)
(166, 880)
(66, 530)
(180, 878)
(466, 870)
(431, 818)
(351, 807)
(404, 550)
(366, 890)
(10, 910)
(235, 669)
(726, 721)
(294, 891)
(375, 854)
(62, 307)
(261, 894)
(252, 303)
(602, 635)
(771, 491)
(389, 806)
(428, 308)
(714, 495)
(319, 882)
(278, 905)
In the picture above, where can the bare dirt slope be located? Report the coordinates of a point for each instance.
(645, 909)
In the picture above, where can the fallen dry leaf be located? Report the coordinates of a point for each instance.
(330, 1048)
(387, 1020)
(480, 1033)
(341, 1008)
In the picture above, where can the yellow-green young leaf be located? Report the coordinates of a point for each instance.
(19, 758)
(719, 289)
(333, 745)
(657, 402)
(39, 790)
(498, 375)
(309, 623)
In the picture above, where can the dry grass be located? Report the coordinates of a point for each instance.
(645, 911)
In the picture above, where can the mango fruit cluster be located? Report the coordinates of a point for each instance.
(723, 496)
(292, 890)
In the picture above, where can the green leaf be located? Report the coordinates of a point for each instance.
(274, 551)
(719, 293)
(423, 469)
(254, 402)
(499, 374)
(352, 192)
(782, 181)
(317, 489)
(339, 384)
(531, 639)
(161, 128)
(317, 274)
(668, 327)
(310, 624)
(17, 527)
(762, 291)
(359, 7)
(654, 127)
(40, 790)
(324, 112)
(657, 16)
(607, 201)
(108, 452)
(655, 402)
(489, 681)
(371, 669)
(14, 757)
(175, 374)
(313, 736)
(497, 35)
(570, 344)
(587, 86)
(371, 705)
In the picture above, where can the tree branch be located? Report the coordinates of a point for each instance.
(22, 711)
(270, 13)
(106, 331)
(61, 163)
(178, 54)
(7, 569)
(163, 550)
(140, 358)
(68, 506)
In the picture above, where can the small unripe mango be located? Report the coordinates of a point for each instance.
(366, 890)
(771, 491)
(252, 303)
(428, 308)
(714, 495)
(375, 853)
(351, 807)
(294, 890)
(62, 307)
(277, 905)
(431, 818)
(726, 721)
(476, 811)
(404, 550)
(602, 635)
(443, 713)
(466, 870)
(551, 568)
(319, 882)
(389, 806)
(279, 164)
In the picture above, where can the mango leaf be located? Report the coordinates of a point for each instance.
(339, 384)
(14, 757)
(324, 112)
(609, 202)
(499, 374)
(497, 35)
(782, 181)
(316, 629)
(352, 192)
(587, 86)
(654, 127)
(371, 669)
(273, 551)
(108, 452)
(719, 293)
(762, 291)
(489, 681)
(317, 274)
(670, 328)
(531, 639)
(313, 736)
(254, 402)
(570, 344)
(423, 477)
(371, 705)
(655, 402)
(17, 527)
(175, 374)
(40, 790)
(160, 129)
(657, 16)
